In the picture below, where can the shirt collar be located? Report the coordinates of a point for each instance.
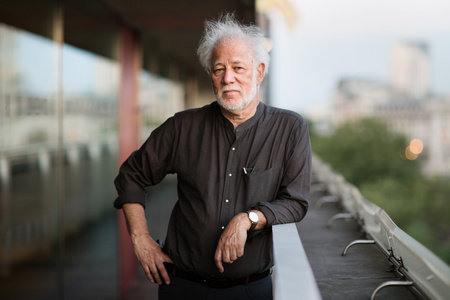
(247, 124)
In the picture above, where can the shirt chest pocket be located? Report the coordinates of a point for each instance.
(261, 185)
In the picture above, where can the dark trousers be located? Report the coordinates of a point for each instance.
(182, 289)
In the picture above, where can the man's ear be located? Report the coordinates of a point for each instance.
(260, 76)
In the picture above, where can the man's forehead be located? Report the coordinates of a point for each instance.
(232, 51)
(232, 61)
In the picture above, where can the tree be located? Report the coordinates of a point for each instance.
(365, 151)
(372, 157)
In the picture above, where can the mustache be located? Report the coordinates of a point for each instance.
(230, 88)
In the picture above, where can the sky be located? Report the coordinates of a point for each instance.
(352, 39)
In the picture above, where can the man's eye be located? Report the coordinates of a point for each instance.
(217, 71)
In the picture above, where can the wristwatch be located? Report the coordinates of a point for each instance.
(253, 217)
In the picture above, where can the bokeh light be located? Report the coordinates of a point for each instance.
(409, 154)
(416, 146)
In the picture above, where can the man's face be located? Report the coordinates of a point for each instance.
(235, 79)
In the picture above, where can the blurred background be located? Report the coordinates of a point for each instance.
(373, 78)
(83, 83)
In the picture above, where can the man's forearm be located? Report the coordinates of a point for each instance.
(136, 221)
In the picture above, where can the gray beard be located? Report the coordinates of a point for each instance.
(246, 101)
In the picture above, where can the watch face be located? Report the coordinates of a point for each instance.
(253, 217)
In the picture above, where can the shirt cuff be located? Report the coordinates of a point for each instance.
(268, 213)
(129, 198)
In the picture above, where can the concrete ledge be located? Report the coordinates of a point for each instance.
(293, 277)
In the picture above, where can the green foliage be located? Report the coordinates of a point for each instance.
(364, 151)
(370, 156)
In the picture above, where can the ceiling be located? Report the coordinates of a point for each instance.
(173, 28)
(169, 30)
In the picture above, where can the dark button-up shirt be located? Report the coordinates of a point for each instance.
(264, 164)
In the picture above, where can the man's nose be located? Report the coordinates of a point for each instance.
(228, 76)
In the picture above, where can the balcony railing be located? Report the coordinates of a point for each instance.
(421, 268)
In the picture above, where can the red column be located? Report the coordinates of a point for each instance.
(130, 65)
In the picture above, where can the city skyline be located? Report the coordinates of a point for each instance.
(352, 39)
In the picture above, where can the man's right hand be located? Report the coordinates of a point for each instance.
(152, 258)
(147, 251)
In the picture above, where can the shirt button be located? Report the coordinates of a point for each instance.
(226, 200)
(230, 174)
(223, 227)
(233, 148)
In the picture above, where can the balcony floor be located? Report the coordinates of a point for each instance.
(353, 276)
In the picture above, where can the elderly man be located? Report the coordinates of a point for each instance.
(241, 167)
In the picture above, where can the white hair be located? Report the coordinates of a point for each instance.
(226, 27)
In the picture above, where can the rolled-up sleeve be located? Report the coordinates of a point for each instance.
(291, 203)
(146, 166)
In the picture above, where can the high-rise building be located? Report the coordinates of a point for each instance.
(410, 70)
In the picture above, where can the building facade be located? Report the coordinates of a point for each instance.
(426, 119)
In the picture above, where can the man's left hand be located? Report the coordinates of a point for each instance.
(232, 241)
